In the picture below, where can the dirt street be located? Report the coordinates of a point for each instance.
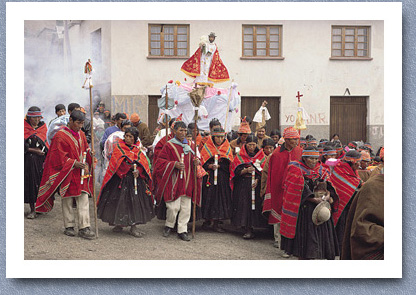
(44, 240)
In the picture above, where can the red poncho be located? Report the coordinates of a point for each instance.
(273, 199)
(59, 171)
(158, 148)
(217, 70)
(242, 158)
(39, 132)
(171, 186)
(117, 165)
(345, 182)
(209, 150)
(293, 188)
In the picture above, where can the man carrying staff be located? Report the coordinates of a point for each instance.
(176, 185)
(63, 170)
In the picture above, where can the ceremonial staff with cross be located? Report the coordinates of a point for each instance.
(300, 122)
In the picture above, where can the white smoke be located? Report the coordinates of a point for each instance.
(51, 77)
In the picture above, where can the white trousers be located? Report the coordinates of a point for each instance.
(181, 205)
(276, 230)
(83, 210)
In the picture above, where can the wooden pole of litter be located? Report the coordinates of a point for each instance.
(228, 106)
(94, 197)
(195, 178)
(166, 115)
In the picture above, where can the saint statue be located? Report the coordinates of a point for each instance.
(206, 65)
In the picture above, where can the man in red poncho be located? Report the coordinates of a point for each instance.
(62, 174)
(206, 65)
(177, 184)
(278, 162)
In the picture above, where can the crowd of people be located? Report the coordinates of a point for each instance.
(321, 199)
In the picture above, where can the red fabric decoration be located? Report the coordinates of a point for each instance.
(217, 71)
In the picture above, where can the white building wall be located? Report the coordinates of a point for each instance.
(306, 67)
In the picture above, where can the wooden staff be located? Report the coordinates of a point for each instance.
(195, 178)
(216, 170)
(92, 172)
(228, 106)
(84, 158)
(166, 115)
(135, 179)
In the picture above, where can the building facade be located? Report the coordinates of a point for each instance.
(338, 67)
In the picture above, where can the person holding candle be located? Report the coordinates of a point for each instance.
(62, 174)
(125, 198)
(246, 213)
(216, 157)
(177, 192)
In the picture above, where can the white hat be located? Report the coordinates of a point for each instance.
(321, 213)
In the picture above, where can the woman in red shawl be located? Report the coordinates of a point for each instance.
(35, 154)
(119, 204)
(305, 187)
(245, 213)
(216, 199)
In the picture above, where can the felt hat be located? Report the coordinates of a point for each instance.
(244, 127)
(290, 132)
(134, 118)
(365, 156)
(321, 213)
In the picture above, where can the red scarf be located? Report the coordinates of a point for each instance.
(209, 150)
(243, 158)
(345, 182)
(293, 189)
(39, 132)
(120, 153)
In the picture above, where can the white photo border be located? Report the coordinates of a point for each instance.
(391, 13)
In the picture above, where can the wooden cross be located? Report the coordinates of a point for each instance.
(299, 96)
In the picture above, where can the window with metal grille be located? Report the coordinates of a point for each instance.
(350, 42)
(262, 41)
(168, 40)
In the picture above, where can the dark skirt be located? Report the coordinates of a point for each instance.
(33, 176)
(118, 204)
(312, 241)
(216, 199)
(340, 228)
(242, 213)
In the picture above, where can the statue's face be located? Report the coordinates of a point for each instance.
(211, 39)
